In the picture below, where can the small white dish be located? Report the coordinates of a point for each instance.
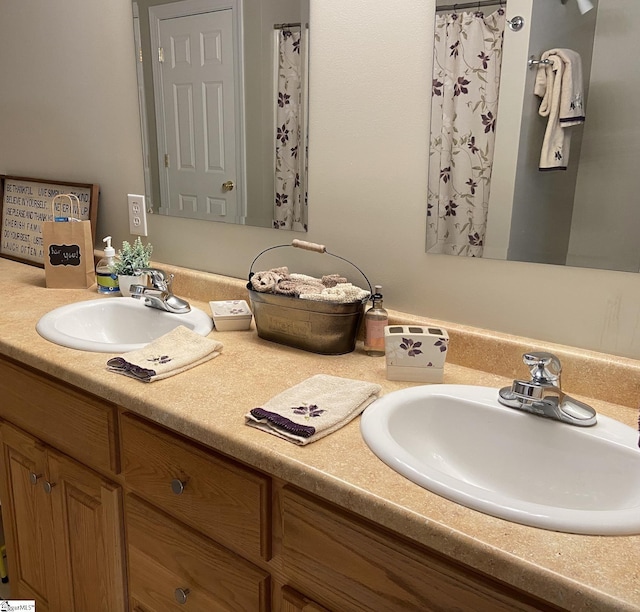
(231, 315)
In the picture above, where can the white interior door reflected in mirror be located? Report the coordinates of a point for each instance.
(197, 106)
(191, 153)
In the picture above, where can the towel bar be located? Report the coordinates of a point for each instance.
(534, 63)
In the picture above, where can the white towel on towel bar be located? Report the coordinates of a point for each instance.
(559, 84)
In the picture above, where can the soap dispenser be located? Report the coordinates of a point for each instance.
(375, 320)
(106, 276)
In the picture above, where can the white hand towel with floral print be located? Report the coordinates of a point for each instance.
(179, 350)
(313, 408)
(560, 86)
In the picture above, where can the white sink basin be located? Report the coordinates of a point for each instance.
(459, 442)
(115, 324)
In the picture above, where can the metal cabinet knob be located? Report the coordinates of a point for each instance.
(177, 486)
(228, 186)
(33, 478)
(48, 486)
(181, 595)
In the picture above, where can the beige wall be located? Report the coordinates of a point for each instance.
(68, 110)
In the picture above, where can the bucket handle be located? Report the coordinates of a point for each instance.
(309, 246)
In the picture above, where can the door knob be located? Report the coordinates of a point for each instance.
(227, 186)
(48, 486)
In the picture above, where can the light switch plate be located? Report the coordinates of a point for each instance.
(137, 215)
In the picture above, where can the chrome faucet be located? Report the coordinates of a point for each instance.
(159, 294)
(543, 396)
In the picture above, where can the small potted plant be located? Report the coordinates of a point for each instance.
(131, 258)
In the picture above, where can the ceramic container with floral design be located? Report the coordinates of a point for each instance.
(415, 353)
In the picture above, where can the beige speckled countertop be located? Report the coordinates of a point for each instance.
(208, 403)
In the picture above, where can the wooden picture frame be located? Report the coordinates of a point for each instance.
(27, 203)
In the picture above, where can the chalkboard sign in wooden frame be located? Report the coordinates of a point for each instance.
(26, 205)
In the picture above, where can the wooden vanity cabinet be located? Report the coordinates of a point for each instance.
(63, 527)
(78, 424)
(213, 494)
(87, 537)
(106, 511)
(27, 518)
(346, 563)
(62, 518)
(174, 567)
(195, 520)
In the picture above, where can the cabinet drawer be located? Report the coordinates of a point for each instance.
(81, 425)
(169, 561)
(215, 495)
(349, 564)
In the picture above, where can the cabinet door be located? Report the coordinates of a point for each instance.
(26, 513)
(88, 537)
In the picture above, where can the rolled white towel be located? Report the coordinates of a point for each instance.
(342, 293)
(266, 280)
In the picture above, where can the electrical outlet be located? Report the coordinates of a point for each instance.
(137, 215)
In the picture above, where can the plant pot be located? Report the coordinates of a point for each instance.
(125, 281)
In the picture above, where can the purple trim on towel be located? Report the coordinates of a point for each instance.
(554, 168)
(121, 366)
(567, 119)
(304, 431)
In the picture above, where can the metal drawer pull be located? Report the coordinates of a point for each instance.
(177, 486)
(48, 486)
(33, 478)
(181, 595)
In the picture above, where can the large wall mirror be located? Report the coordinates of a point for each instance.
(587, 215)
(222, 86)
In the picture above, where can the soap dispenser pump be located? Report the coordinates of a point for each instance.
(375, 320)
(106, 276)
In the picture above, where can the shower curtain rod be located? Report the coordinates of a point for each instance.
(468, 5)
(284, 26)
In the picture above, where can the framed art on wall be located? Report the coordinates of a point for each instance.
(27, 203)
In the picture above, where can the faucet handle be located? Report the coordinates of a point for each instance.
(545, 367)
(159, 278)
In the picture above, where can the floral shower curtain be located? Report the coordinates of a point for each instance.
(466, 82)
(290, 206)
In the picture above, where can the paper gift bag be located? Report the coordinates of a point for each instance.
(68, 252)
